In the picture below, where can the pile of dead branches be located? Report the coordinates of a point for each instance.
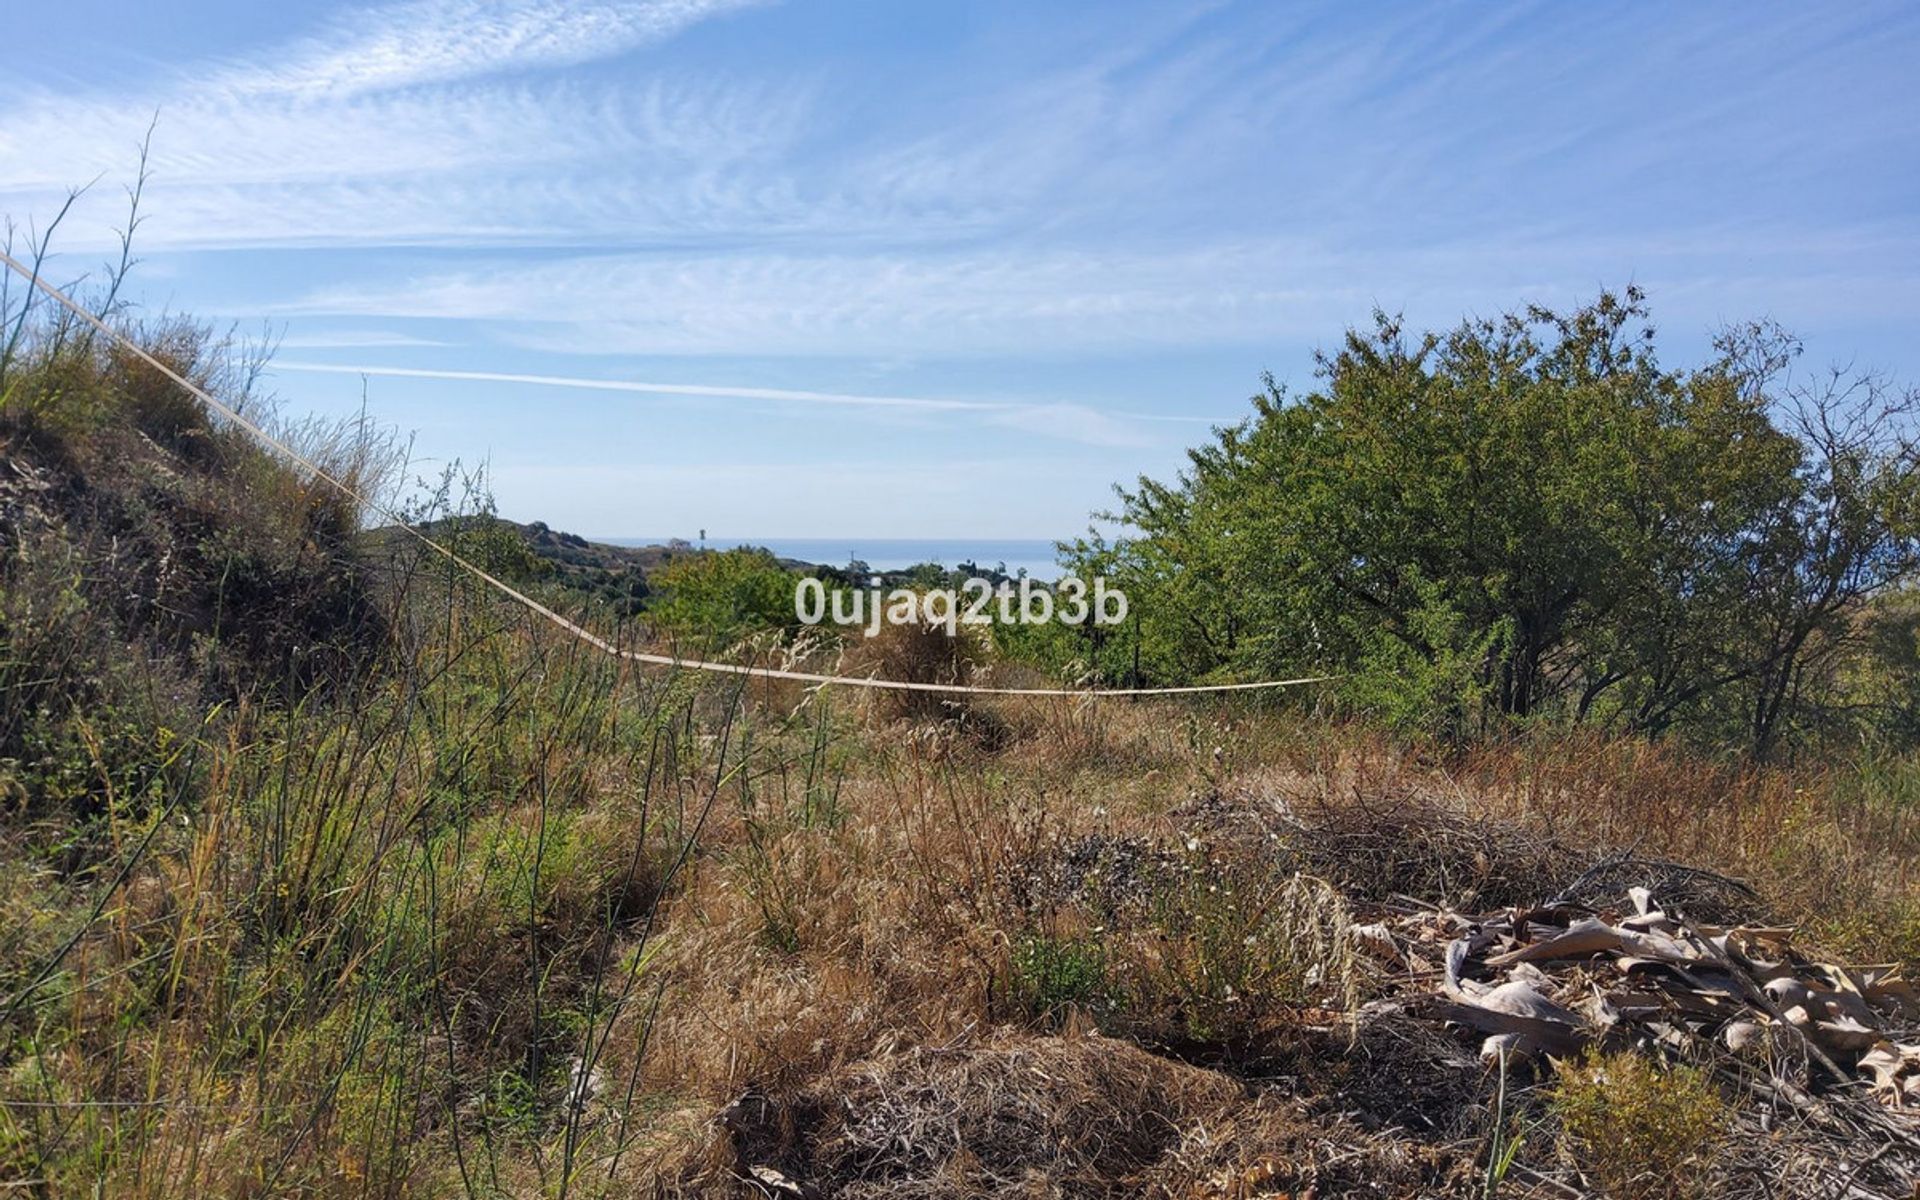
(1827, 1054)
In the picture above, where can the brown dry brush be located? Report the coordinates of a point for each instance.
(1401, 1076)
(353, 949)
(1073, 1115)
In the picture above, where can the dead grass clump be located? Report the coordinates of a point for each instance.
(1038, 1116)
(1076, 733)
(921, 653)
(1833, 847)
(156, 405)
(1382, 835)
(1208, 952)
(1399, 841)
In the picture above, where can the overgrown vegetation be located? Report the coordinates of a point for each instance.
(323, 873)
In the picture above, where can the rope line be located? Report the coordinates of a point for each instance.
(314, 469)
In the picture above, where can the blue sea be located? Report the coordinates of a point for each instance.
(1034, 555)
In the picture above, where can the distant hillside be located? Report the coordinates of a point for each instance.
(572, 552)
(623, 577)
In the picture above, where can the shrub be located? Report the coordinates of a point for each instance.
(725, 594)
(920, 653)
(1549, 521)
(1642, 1131)
(1230, 948)
(1052, 975)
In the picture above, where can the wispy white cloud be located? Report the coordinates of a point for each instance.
(212, 140)
(1075, 423)
(1017, 300)
(354, 339)
(881, 303)
(494, 163)
(429, 122)
(414, 122)
(398, 125)
(433, 41)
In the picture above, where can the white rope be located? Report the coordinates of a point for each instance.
(318, 472)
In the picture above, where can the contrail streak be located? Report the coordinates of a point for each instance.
(784, 395)
(659, 389)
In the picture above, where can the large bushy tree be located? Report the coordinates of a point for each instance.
(1531, 516)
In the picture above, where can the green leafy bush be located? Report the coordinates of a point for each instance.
(725, 593)
(1054, 974)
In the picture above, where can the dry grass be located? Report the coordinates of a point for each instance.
(872, 928)
(1834, 847)
(919, 653)
(1012, 1115)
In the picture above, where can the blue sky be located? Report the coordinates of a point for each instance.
(919, 270)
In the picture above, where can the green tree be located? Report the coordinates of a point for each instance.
(1530, 515)
(725, 593)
